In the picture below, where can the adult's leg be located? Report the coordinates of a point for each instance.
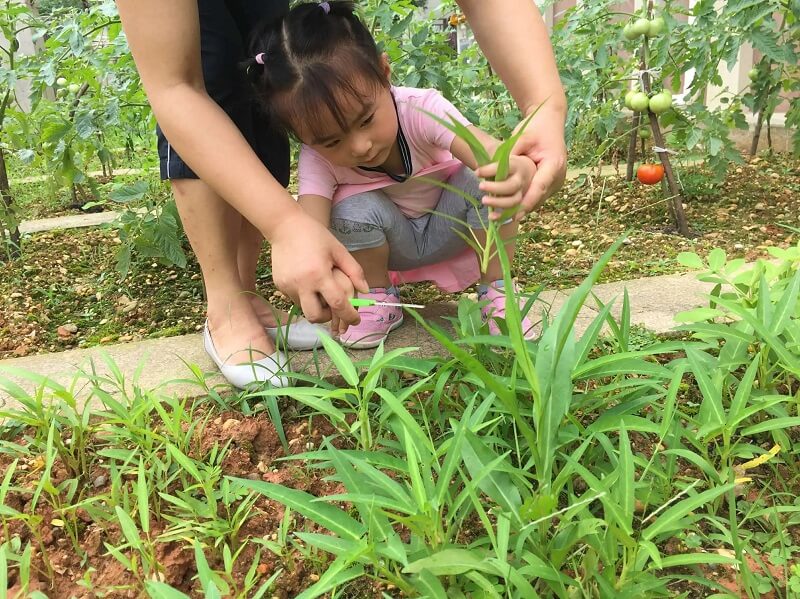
(214, 231)
(251, 242)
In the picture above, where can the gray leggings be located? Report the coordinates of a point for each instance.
(370, 219)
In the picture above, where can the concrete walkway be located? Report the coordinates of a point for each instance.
(163, 363)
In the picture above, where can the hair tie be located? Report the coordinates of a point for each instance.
(326, 7)
(260, 58)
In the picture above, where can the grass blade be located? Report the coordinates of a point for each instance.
(326, 515)
(670, 520)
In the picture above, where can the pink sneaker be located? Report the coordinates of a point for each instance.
(496, 308)
(376, 321)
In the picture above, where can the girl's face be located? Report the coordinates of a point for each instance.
(371, 134)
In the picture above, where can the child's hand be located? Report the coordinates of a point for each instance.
(503, 195)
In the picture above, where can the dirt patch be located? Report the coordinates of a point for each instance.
(83, 566)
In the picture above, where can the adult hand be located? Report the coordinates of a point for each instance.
(315, 270)
(543, 142)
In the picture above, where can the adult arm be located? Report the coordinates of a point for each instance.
(514, 38)
(164, 38)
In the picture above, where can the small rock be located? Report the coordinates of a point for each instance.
(313, 577)
(254, 476)
(16, 295)
(577, 243)
(98, 296)
(98, 482)
(262, 467)
(571, 252)
(63, 332)
(107, 339)
(738, 246)
(759, 206)
(229, 424)
(627, 241)
(21, 350)
(125, 338)
(72, 328)
(184, 294)
(262, 569)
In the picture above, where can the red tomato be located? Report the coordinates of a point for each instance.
(650, 174)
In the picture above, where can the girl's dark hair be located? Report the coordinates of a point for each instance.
(317, 57)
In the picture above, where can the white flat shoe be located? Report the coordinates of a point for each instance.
(265, 370)
(298, 334)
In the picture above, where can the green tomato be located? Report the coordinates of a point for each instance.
(629, 97)
(629, 33)
(61, 92)
(640, 27)
(73, 88)
(661, 102)
(753, 74)
(61, 81)
(639, 102)
(656, 27)
(645, 132)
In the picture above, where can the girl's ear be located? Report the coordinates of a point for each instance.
(385, 66)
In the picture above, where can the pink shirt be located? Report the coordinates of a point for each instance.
(429, 143)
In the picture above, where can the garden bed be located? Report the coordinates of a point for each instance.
(144, 490)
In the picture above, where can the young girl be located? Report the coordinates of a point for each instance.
(370, 159)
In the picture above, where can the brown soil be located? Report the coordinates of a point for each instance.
(255, 452)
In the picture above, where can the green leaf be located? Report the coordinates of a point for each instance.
(785, 309)
(335, 576)
(744, 389)
(670, 520)
(429, 585)
(698, 315)
(478, 150)
(625, 489)
(123, 194)
(339, 358)
(772, 424)
(330, 544)
(205, 574)
(142, 497)
(128, 528)
(450, 562)
(161, 590)
(494, 481)
(696, 559)
(716, 259)
(327, 516)
(185, 462)
(690, 259)
(712, 411)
